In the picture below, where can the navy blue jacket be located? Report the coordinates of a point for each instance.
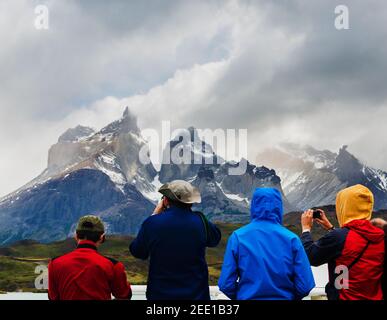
(326, 250)
(176, 242)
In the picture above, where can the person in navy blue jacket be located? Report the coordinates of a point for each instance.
(175, 238)
(264, 260)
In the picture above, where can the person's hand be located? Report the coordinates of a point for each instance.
(379, 222)
(160, 207)
(307, 220)
(324, 222)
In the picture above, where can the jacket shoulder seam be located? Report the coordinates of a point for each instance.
(60, 256)
(112, 260)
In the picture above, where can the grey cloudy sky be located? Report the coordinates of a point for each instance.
(278, 68)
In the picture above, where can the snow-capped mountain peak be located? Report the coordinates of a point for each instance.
(127, 123)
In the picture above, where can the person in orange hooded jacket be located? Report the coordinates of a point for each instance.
(354, 252)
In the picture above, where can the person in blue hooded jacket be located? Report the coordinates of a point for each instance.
(264, 260)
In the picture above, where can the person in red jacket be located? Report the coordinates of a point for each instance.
(85, 274)
(354, 252)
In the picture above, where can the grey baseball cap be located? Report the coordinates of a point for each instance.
(181, 191)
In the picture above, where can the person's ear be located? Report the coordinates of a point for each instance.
(76, 237)
(165, 202)
(102, 239)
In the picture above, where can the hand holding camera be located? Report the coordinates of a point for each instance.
(317, 215)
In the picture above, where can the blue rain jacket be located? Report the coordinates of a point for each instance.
(263, 259)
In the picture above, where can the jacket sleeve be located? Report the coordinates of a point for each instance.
(303, 276)
(214, 235)
(326, 248)
(228, 281)
(120, 287)
(140, 247)
(53, 293)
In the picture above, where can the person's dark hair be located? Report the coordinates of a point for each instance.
(178, 204)
(89, 235)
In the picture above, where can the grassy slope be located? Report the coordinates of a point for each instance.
(18, 261)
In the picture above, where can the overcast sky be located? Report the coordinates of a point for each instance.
(278, 68)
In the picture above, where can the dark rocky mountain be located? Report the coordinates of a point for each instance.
(312, 177)
(226, 197)
(349, 169)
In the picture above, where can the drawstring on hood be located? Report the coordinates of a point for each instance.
(354, 203)
(267, 205)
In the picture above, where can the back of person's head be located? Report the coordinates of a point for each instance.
(90, 228)
(180, 193)
(380, 223)
(266, 204)
(354, 203)
(177, 204)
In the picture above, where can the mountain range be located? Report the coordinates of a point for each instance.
(100, 172)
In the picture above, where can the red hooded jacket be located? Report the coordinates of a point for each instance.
(364, 281)
(344, 246)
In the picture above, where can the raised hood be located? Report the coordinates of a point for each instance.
(266, 204)
(354, 203)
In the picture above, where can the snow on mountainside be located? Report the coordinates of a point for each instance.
(312, 177)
